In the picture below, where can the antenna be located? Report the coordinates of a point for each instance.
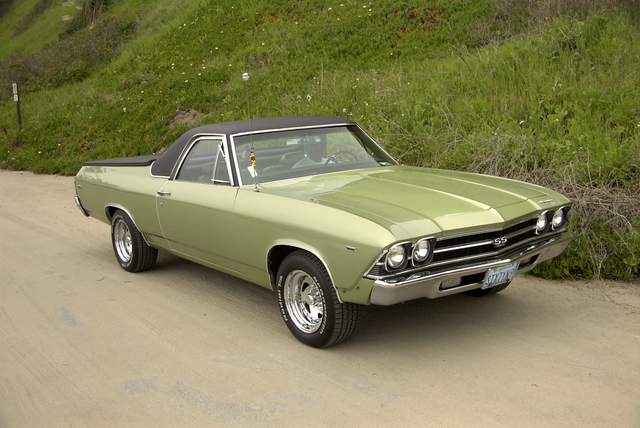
(252, 154)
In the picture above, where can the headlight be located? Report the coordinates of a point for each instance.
(396, 256)
(421, 251)
(541, 224)
(558, 219)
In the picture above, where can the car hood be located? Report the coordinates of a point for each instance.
(410, 201)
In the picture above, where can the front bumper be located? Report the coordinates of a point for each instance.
(464, 278)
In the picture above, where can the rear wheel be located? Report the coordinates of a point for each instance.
(309, 303)
(132, 252)
(479, 292)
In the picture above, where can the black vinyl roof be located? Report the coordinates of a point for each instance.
(166, 161)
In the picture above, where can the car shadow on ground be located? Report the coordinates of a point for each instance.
(418, 324)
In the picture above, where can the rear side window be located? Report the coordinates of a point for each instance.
(205, 163)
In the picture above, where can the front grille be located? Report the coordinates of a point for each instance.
(463, 250)
(478, 244)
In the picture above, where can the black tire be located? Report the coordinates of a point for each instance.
(142, 256)
(479, 292)
(339, 320)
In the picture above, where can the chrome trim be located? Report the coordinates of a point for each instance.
(495, 229)
(462, 259)
(156, 176)
(188, 147)
(377, 144)
(432, 245)
(294, 128)
(120, 207)
(404, 264)
(76, 199)
(449, 282)
(548, 225)
(383, 283)
(481, 243)
(377, 262)
(305, 247)
(463, 246)
(565, 211)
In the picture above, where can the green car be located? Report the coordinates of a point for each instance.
(315, 209)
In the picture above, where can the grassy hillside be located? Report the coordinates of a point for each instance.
(543, 91)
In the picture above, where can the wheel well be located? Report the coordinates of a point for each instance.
(278, 253)
(275, 257)
(110, 211)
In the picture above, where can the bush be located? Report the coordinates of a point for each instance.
(72, 59)
(5, 6)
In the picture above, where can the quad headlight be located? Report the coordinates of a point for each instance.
(559, 218)
(541, 224)
(396, 257)
(422, 251)
(551, 220)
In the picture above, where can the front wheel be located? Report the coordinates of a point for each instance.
(132, 252)
(309, 303)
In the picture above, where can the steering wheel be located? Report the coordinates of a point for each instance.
(334, 157)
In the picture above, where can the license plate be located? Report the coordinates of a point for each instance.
(499, 275)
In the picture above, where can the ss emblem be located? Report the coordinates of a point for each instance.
(500, 242)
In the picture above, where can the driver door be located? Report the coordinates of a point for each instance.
(195, 207)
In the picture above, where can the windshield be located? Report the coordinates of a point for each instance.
(303, 152)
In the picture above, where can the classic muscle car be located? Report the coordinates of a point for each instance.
(315, 209)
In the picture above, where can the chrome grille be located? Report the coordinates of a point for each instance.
(477, 245)
(466, 249)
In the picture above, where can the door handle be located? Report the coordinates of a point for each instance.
(163, 193)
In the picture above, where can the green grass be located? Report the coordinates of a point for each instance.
(446, 83)
(39, 30)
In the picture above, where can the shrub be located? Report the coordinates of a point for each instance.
(72, 59)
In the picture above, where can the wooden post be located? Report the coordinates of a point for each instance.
(16, 99)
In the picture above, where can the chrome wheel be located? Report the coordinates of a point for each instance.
(304, 301)
(122, 240)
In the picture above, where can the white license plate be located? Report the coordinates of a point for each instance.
(499, 275)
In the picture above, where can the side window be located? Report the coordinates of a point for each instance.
(205, 163)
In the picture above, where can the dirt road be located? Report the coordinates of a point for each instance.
(83, 343)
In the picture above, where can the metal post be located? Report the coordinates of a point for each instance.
(16, 99)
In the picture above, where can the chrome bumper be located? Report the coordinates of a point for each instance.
(457, 280)
(80, 207)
